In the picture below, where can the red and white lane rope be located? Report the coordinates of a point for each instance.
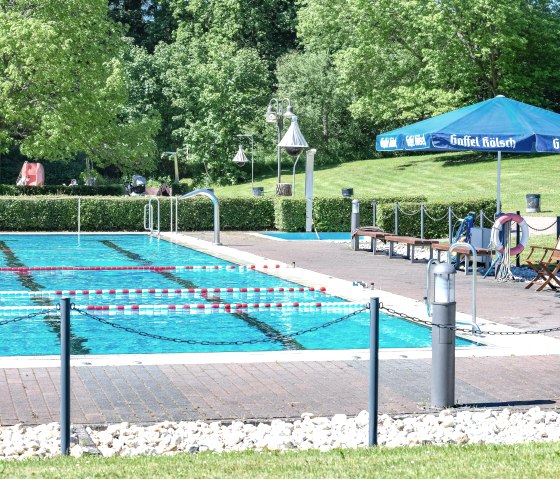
(23, 269)
(198, 307)
(154, 291)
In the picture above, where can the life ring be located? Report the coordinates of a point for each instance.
(498, 225)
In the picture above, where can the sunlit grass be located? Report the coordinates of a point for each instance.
(441, 177)
(527, 461)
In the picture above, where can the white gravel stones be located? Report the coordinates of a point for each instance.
(446, 427)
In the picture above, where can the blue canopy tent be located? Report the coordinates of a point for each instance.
(495, 125)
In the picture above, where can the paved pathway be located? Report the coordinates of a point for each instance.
(145, 394)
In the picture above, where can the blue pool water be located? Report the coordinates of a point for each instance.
(101, 332)
(323, 236)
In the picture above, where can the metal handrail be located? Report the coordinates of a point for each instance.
(473, 250)
(209, 194)
(149, 214)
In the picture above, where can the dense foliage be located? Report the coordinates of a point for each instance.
(121, 82)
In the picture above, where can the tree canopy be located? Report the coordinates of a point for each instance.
(122, 81)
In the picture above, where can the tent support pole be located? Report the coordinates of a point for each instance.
(498, 187)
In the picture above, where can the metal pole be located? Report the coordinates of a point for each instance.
(422, 221)
(498, 208)
(482, 221)
(65, 376)
(558, 226)
(373, 370)
(309, 167)
(443, 355)
(396, 217)
(280, 125)
(450, 226)
(79, 215)
(517, 235)
(252, 163)
(355, 224)
(374, 212)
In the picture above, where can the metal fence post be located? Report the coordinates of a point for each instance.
(374, 205)
(396, 217)
(517, 235)
(450, 215)
(65, 376)
(373, 369)
(355, 224)
(422, 221)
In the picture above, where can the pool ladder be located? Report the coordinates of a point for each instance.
(149, 217)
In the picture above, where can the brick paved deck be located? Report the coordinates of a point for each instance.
(145, 394)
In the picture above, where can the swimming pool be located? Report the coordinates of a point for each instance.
(138, 295)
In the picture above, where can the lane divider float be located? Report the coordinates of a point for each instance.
(23, 269)
(163, 291)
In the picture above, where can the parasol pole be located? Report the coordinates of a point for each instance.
(498, 187)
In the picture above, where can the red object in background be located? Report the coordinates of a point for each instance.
(31, 174)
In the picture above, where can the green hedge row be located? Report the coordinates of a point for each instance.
(127, 214)
(257, 213)
(436, 216)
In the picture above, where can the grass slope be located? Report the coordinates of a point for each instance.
(440, 177)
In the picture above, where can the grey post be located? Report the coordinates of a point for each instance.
(517, 236)
(396, 217)
(443, 343)
(355, 224)
(422, 221)
(450, 220)
(374, 213)
(373, 369)
(65, 376)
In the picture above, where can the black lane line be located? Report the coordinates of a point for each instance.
(77, 343)
(265, 328)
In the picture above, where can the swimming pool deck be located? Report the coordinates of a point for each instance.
(521, 371)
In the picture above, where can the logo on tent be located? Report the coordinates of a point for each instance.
(415, 140)
(388, 142)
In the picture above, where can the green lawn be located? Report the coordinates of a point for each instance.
(439, 177)
(533, 461)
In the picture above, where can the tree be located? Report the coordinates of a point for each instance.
(217, 91)
(310, 81)
(63, 87)
(404, 60)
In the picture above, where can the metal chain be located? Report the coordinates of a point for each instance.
(218, 343)
(456, 217)
(544, 229)
(406, 213)
(28, 316)
(465, 330)
(432, 218)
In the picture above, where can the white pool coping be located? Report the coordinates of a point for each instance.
(521, 345)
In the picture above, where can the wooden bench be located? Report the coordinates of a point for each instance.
(411, 242)
(373, 233)
(466, 253)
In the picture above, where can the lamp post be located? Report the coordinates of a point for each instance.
(275, 113)
(240, 158)
(174, 155)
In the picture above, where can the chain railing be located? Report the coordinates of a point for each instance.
(542, 229)
(279, 338)
(282, 337)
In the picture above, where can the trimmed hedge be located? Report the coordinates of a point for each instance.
(51, 190)
(409, 216)
(126, 213)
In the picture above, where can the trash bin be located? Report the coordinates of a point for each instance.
(347, 192)
(533, 203)
(258, 190)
